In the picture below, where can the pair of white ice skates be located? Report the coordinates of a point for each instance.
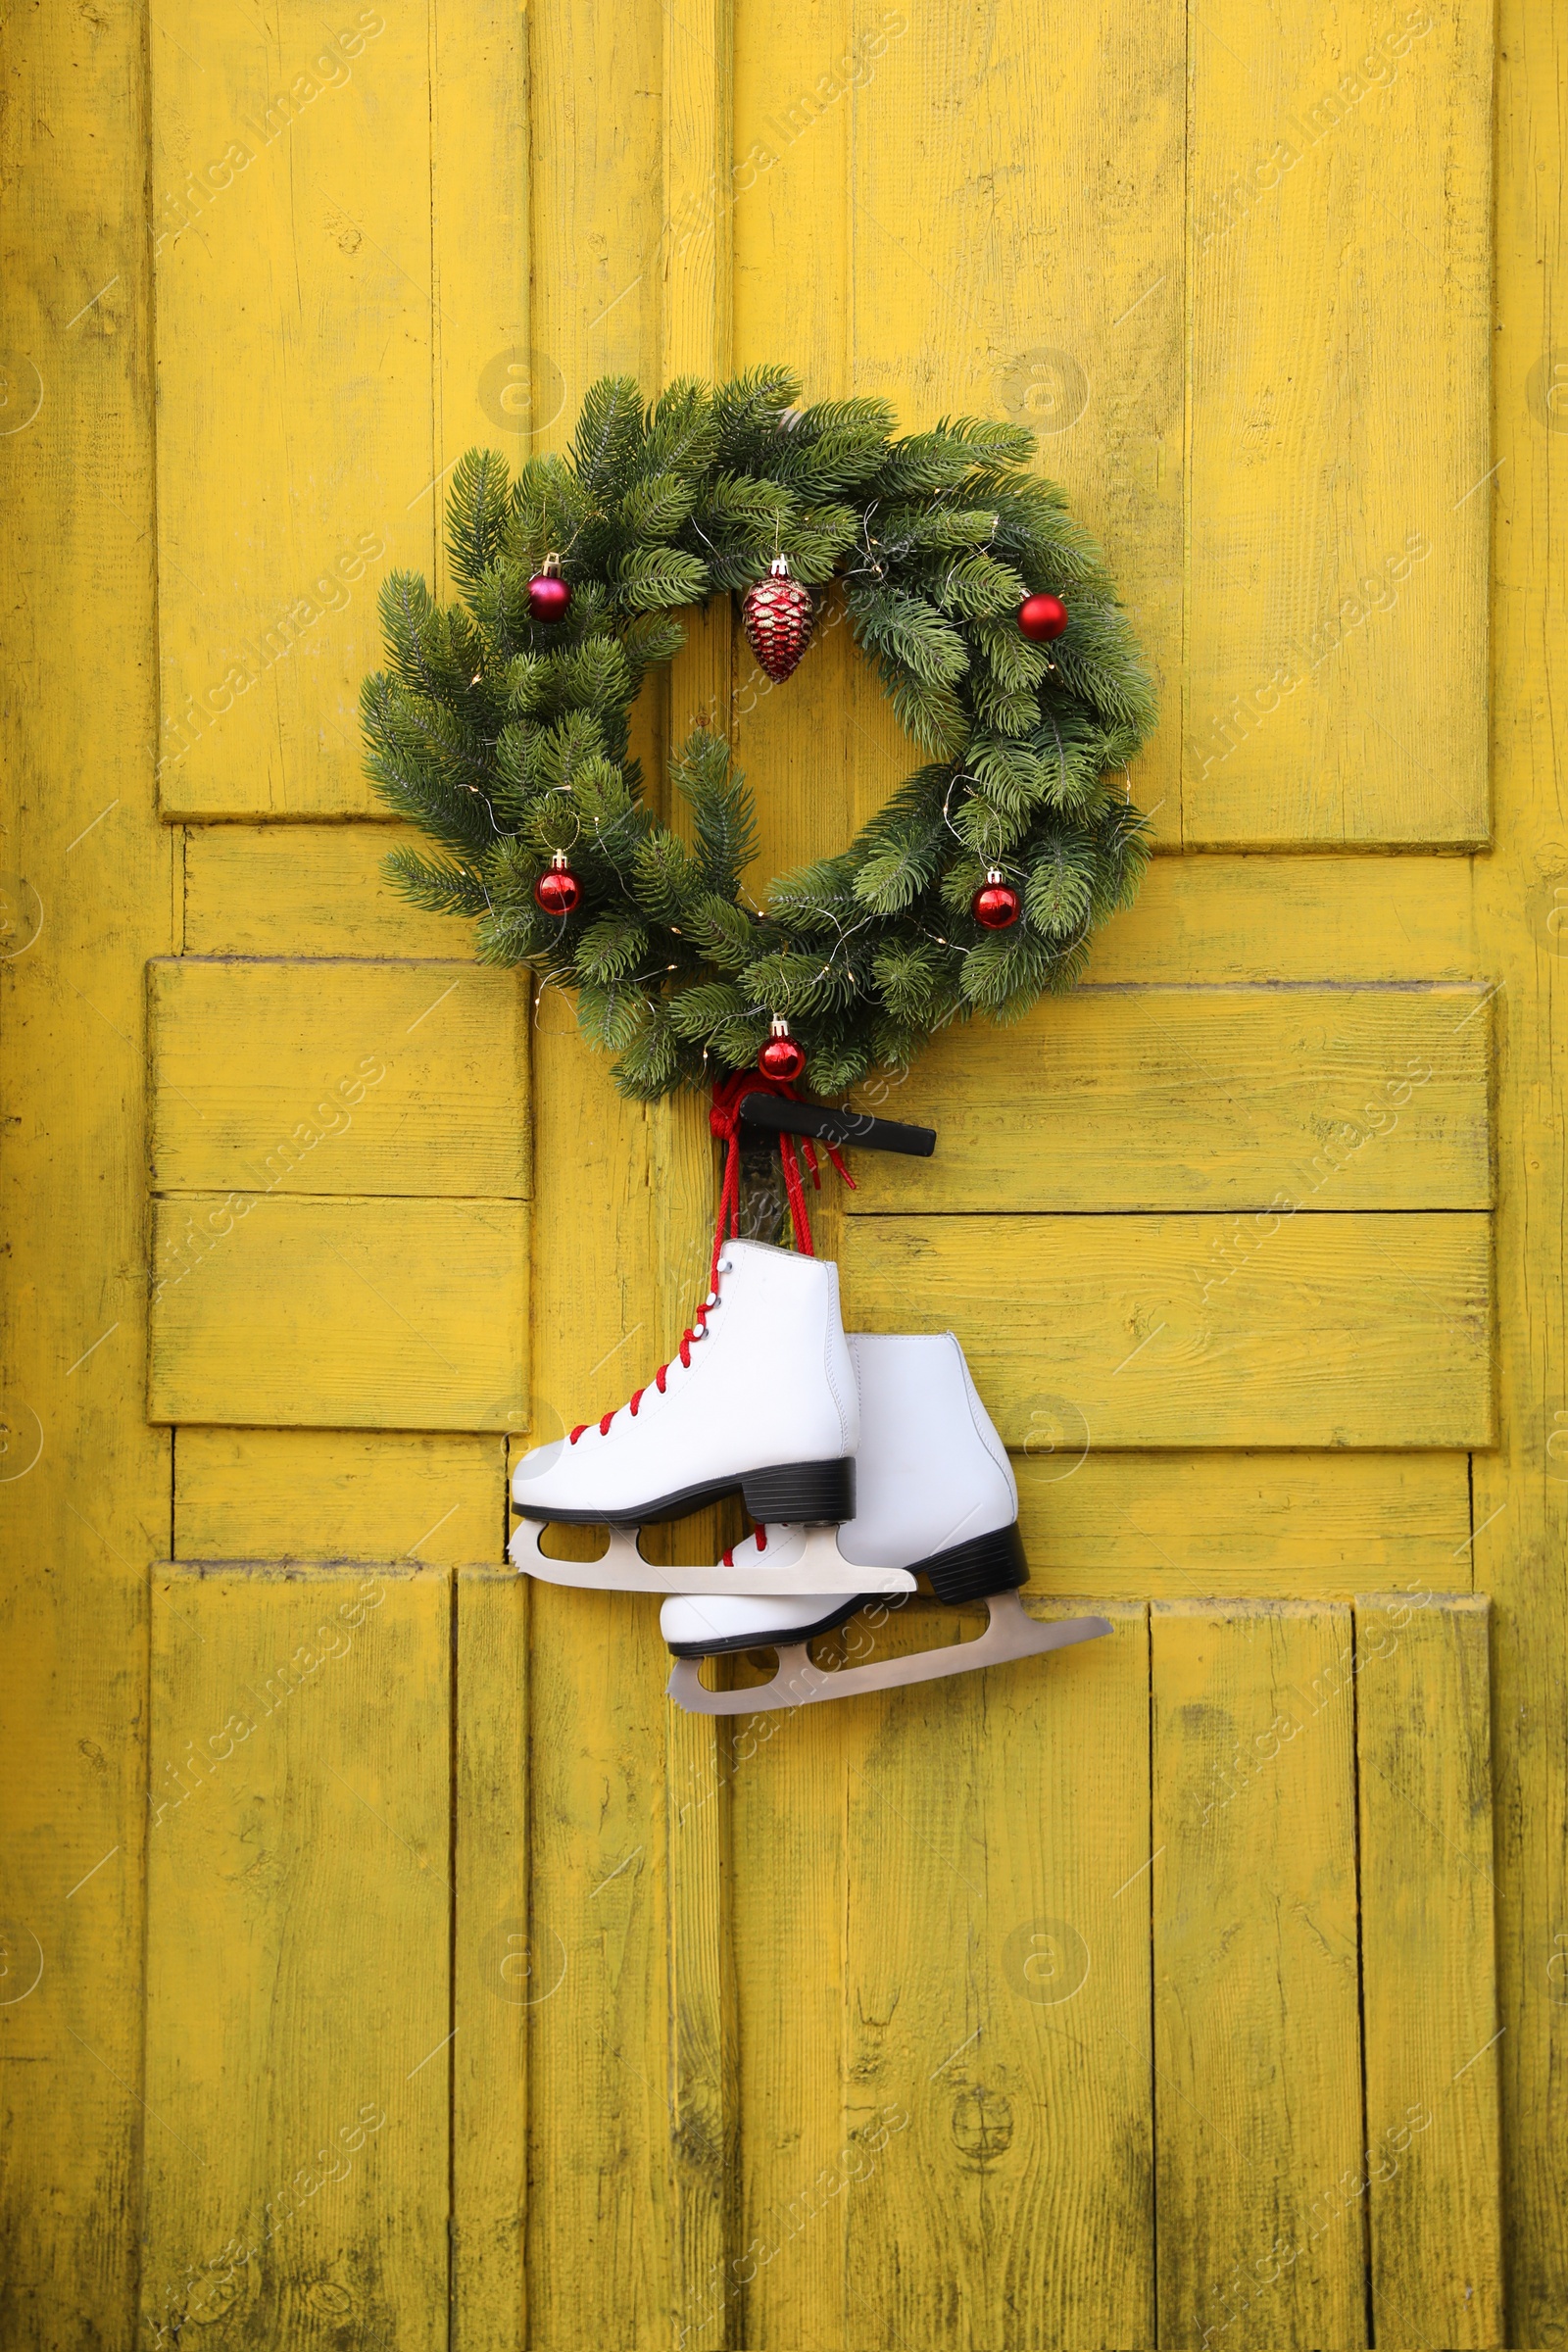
(867, 1460)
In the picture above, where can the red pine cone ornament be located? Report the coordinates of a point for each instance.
(1043, 618)
(995, 903)
(781, 1057)
(779, 614)
(558, 890)
(548, 595)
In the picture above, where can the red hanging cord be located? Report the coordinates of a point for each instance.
(724, 1120)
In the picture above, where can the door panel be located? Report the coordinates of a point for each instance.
(298, 1961)
(1040, 2007)
(1367, 1331)
(340, 1314)
(1202, 1099)
(1340, 292)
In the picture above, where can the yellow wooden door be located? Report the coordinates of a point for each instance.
(384, 1962)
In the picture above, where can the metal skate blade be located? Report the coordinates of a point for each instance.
(1012, 1634)
(820, 1568)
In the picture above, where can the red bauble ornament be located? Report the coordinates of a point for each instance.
(558, 890)
(995, 903)
(1042, 618)
(779, 614)
(781, 1057)
(548, 595)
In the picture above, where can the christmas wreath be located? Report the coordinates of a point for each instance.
(500, 728)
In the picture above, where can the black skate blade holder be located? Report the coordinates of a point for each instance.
(826, 1124)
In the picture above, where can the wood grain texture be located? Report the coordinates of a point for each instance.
(319, 890)
(1256, 2032)
(1424, 1756)
(340, 1314)
(490, 391)
(1039, 272)
(998, 1953)
(385, 1078)
(87, 897)
(1521, 1498)
(1263, 918)
(306, 890)
(1202, 1099)
(1179, 1526)
(299, 2014)
(499, 1977)
(1363, 1331)
(292, 251)
(1337, 678)
(600, 2049)
(338, 1495)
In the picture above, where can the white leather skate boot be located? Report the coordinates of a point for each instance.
(759, 1399)
(935, 1497)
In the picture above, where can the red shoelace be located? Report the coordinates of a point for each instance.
(724, 1120)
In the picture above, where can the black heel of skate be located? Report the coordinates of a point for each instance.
(986, 1564)
(794, 1493)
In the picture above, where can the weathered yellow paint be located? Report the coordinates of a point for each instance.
(1367, 1331)
(502, 1965)
(1248, 918)
(1335, 684)
(1257, 2043)
(755, 1934)
(298, 1955)
(1521, 1499)
(1241, 1099)
(319, 890)
(338, 1495)
(1424, 1778)
(1178, 1526)
(1009, 1817)
(384, 1078)
(295, 327)
(345, 1313)
(84, 1496)
(1003, 309)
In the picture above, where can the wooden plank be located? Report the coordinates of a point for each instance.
(387, 1078)
(1205, 1098)
(499, 1977)
(489, 392)
(1337, 673)
(1184, 1525)
(1522, 1489)
(1216, 919)
(995, 2185)
(291, 208)
(340, 1314)
(1424, 1751)
(600, 2046)
(1068, 318)
(298, 1838)
(319, 890)
(86, 899)
(1257, 2034)
(1332, 917)
(338, 1495)
(785, 1777)
(696, 269)
(1360, 1331)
